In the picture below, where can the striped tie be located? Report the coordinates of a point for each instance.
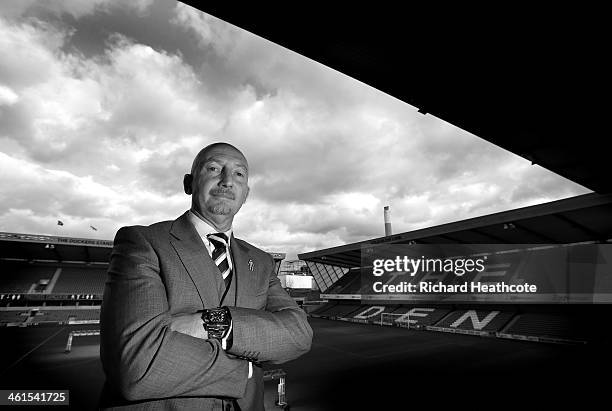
(219, 256)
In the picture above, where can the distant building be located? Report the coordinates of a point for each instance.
(295, 274)
(294, 267)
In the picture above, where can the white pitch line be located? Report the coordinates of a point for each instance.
(31, 351)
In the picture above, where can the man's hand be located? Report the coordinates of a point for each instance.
(190, 324)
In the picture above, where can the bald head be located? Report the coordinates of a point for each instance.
(218, 184)
(226, 147)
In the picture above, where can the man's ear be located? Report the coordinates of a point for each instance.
(187, 180)
(247, 194)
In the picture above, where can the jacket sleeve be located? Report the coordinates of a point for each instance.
(277, 334)
(141, 356)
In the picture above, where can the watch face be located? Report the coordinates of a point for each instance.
(216, 317)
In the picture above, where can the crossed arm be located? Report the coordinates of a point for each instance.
(147, 353)
(277, 334)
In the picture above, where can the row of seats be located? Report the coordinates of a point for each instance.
(22, 278)
(48, 316)
(7, 317)
(349, 283)
(74, 280)
(495, 320)
(477, 320)
(550, 325)
(19, 278)
(66, 315)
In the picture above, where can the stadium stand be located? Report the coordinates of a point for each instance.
(318, 312)
(23, 277)
(87, 315)
(341, 310)
(51, 316)
(547, 325)
(477, 320)
(347, 284)
(398, 311)
(507, 321)
(568, 224)
(418, 315)
(504, 322)
(80, 280)
(60, 280)
(307, 294)
(40, 315)
(373, 313)
(13, 317)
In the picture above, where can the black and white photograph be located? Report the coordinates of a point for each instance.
(303, 207)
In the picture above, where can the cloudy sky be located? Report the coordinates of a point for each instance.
(103, 105)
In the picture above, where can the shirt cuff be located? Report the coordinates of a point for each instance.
(250, 369)
(225, 339)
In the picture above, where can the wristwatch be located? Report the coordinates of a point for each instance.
(217, 323)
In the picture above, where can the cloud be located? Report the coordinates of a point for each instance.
(29, 52)
(164, 172)
(101, 134)
(539, 186)
(49, 195)
(7, 96)
(74, 8)
(115, 106)
(210, 31)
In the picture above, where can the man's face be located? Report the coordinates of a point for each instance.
(220, 182)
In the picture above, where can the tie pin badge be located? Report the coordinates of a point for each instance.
(251, 264)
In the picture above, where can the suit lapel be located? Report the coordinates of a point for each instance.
(200, 267)
(245, 276)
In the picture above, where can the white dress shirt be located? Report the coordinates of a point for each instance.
(204, 229)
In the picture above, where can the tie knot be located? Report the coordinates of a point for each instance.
(218, 239)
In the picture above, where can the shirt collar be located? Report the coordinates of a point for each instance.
(203, 228)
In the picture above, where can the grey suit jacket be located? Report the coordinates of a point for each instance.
(164, 270)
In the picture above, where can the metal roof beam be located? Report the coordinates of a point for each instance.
(535, 233)
(589, 232)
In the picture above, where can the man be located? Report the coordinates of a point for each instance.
(190, 312)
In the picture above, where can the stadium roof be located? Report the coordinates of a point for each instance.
(35, 247)
(524, 80)
(51, 248)
(578, 219)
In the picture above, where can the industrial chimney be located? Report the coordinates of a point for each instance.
(388, 231)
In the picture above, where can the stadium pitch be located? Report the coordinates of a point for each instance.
(351, 366)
